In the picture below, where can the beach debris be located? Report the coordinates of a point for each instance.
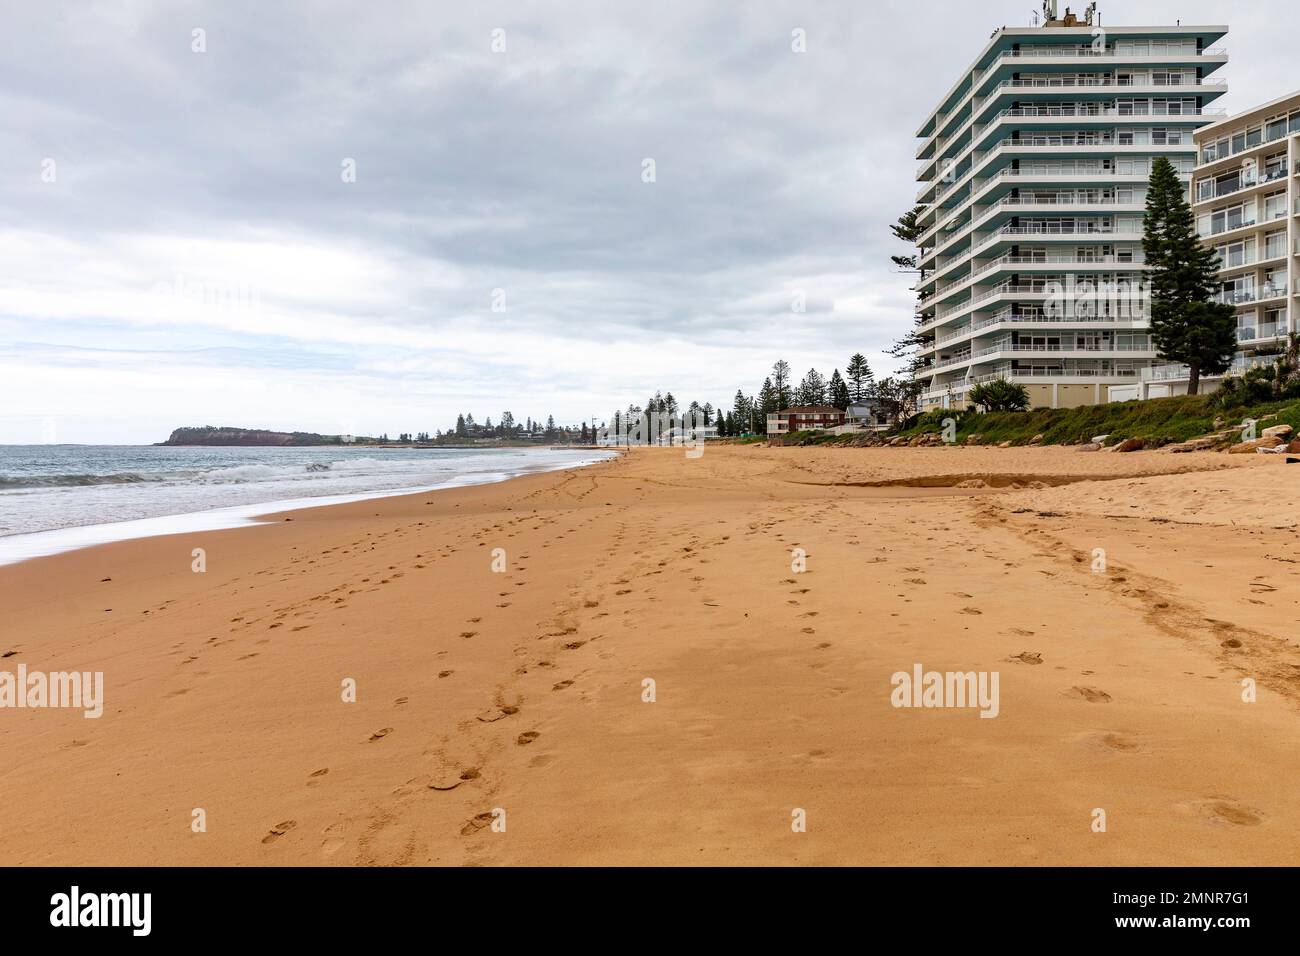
(451, 779)
(1091, 446)
(1131, 444)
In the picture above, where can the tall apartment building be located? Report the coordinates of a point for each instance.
(1246, 197)
(1035, 167)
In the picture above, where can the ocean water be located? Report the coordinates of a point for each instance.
(57, 497)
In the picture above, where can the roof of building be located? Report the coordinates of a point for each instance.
(811, 410)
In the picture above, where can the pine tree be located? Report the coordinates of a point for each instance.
(1186, 325)
(781, 383)
(767, 398)
(907, 230)
(461, 430)
(908, 347)
(860, 376)
(812, 390)
(838, 392)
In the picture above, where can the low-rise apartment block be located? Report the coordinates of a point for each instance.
(803, 417)
(1246, 197)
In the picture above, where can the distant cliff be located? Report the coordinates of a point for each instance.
(211, 435)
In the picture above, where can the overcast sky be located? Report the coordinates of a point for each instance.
(179, 246)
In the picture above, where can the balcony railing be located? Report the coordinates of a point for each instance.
(1240, 366)
(1066, 199)
(1228, 188)
(1241, 259)
(1108, 81)
(1250, 333)
(1008, 318)
(1090, 109)
(1064, 372)
(1269, 290)
(1062, 169)
(1105, 51)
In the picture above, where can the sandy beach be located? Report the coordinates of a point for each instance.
(523, 689)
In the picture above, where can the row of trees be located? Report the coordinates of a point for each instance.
(748, 412)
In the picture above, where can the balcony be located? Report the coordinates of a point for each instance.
(1086, 50)
(1052, 83)
(1271, 330)
(1269, 290)
(1227, 189)
(1089, 110)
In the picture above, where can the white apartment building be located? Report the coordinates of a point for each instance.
(1246, 198)
(1035, 167)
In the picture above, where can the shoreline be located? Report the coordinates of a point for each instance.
(524, 689)
(28, 546)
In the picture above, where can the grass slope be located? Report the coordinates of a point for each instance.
(1159, 420)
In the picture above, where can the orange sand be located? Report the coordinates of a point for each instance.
(223, 689)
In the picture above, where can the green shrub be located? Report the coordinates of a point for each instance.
(1000, 395)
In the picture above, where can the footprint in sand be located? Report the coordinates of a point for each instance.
(445, 673)
(527, 737)
(380, 734)
(335, 837)
(1230, 811)
(476, 823)
(562, 684)
(1027, 657)
(1091, 694)
(279, 830)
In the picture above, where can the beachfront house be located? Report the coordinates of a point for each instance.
(803, 418)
